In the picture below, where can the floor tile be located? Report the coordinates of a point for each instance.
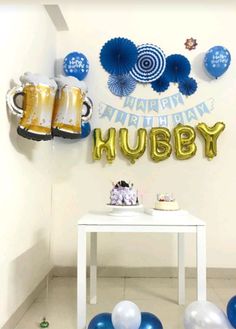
(158, 296)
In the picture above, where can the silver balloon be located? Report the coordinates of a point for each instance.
(126, 315)
(205, 315)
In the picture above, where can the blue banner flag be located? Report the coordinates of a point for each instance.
(177, 118)
(153, 105)
(129, 102)
(191, 114)
(108, 112)
(121, 117)
(147, 121)
(133, 120)
(162, 120)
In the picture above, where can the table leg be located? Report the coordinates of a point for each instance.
(181, 269)
(93, 268)
(81, 279)
(201, 263)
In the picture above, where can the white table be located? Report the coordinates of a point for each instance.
(180, 222)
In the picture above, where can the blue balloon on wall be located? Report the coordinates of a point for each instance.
(150, 321)
(85, 130)
(101, 321)
(76, 64)
(217, 61)
(231, 311)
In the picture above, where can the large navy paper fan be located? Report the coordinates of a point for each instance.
(118, 56)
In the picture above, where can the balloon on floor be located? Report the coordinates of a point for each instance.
(150, 321)
(205, 315)
(101, 321)
(126, 315)
(231, 311)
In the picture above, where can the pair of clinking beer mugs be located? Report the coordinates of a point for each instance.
(50, 107)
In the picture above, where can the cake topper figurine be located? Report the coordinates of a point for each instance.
(190, 44)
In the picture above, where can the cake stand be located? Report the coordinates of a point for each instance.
(124, 211)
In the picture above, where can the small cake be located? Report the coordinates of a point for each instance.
(123, 194)
(166, 202)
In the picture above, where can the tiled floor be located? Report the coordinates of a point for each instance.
(155, 295)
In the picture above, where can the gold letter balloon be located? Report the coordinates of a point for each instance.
(133, 154)
(108, 144)
(185, 148)
(210, 135)
(160, 148)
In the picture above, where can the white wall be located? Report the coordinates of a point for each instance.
(28, 43)
(207, 189)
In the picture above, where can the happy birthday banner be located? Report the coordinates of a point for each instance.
(156, 104)
(136, 119)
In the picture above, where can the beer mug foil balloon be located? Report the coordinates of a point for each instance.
(72, 107)
(38, 93)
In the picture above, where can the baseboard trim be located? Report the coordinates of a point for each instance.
(20, 311)
(146, 272)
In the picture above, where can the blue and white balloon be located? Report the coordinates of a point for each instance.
(217, 61)
(76, 64)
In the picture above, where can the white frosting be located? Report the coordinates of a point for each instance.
(36, 79)
(166, 205)
(123, 196)
(70, 81)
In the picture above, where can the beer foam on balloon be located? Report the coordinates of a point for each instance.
(36, 79)
(70, 81)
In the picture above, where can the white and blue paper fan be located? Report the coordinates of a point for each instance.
(121, 85)
(150, 64)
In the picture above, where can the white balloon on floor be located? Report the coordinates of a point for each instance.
(205, 315)
(126, 315)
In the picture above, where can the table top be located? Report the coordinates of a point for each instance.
(161, 218)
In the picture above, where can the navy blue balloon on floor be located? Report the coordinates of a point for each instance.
(85, 130)
(231, 311)
(101, 321)
(150, 321)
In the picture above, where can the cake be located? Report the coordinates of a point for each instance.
(166, 202)
(123, 194)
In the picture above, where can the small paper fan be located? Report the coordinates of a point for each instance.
(161, 84)
(187, 86)
(121, 85)
(177, 68)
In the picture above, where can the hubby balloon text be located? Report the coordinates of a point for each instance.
(159, 142)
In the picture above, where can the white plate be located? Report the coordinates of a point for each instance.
(156, 212)
(124, 211)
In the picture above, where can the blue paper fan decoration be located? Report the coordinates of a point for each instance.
(177, 68)
(150, 64)
(160, 84)
(121, 85)
(118, 56)
(76, 64)
(187, 86)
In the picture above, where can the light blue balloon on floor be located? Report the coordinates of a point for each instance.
(101, 321)
(217, 61)
(231, 311)
(150, 321)
(76, 64)
(85, 130)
